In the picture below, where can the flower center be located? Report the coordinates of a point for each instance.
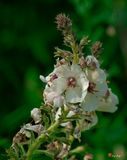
(71, 82)
(91, 87)
(53, 77)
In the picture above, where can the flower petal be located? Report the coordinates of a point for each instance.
(59, 85)
(90, 119)
(109, 104)
(76, 68)
(83, 81)
(101, 89)
(62, 71)
(90, 102)
(58, 101)
(36, 115)
(43, 79)
(97, 75)
(74, 95)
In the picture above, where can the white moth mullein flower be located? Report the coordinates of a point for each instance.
(99, 97)
(96, 90)
(36, 115)
(70, 81)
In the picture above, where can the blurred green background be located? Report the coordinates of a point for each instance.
(27, 39)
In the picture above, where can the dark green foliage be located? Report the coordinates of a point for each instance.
(27, 39)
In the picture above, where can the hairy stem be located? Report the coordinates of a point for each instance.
(75, 53)
(41, 139)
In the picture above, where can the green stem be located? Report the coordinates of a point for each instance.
(75, 54)
(76, 150)
(35, 145)
(51, 155)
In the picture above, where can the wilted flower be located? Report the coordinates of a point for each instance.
(77, 132)
(88, 120)
(64, 151)
(22, 136)
(36, 115)
(38, 128)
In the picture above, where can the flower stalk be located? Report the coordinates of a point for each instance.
(75, 91)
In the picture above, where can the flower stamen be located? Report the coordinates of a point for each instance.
(91, 87)
(53, 77)
(71, 82)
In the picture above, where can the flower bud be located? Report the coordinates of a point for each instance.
(63, 21)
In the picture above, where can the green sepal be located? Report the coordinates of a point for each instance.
(46, 120)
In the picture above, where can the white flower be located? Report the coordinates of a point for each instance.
(96, 90)
(98, 97)
(96, 75)
(36, 115)
(69, 81)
